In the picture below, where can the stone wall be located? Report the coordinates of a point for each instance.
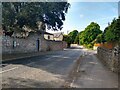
(22, 45)
(54, 45)
(29, 44)
(110, 57)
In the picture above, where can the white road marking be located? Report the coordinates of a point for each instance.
(8, 70)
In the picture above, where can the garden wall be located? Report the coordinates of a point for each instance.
(30, 44)
(110, 57)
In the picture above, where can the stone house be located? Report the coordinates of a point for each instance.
(58, 36)
(48, 36)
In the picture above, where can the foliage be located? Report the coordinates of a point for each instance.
(112, 32)
(89, 34)
(100, 38)
(67, 38)
(73, 35)
(81, 37)
(70, 38)
(19, 14)
(77, 39)
(89, 45)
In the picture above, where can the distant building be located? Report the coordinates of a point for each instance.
(58, 36)
(48, 36)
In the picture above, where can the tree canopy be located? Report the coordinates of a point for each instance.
(88, 36)
(100, 38)
(112, 32)
(73, 35)
(81, 37)
(20, 14)
(70, 38)
(77, 41)
(90, 33)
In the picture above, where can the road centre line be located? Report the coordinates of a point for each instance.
(8, 70)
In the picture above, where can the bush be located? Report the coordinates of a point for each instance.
(89, 46)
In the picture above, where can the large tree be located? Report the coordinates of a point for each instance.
(68, 39)
(100, 38)
(81, 38)
(77, 38)
(73, 35)
(20, 14)
(90, 33)
(112, 32)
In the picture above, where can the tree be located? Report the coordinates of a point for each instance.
(81, 38)
(89, 34)
(73, 35)
(100, 38)
(20, 14)
(68, 39)
(77, 38)
(112, 32)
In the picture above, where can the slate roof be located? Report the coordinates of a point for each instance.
(56, 35)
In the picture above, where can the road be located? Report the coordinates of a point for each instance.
(58, 69)
(42, 71)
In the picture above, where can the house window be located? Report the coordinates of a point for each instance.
(48, 37)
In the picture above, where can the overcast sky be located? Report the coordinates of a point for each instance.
(81, 14)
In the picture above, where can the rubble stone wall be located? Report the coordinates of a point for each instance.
(30, 44)
(110, 57)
